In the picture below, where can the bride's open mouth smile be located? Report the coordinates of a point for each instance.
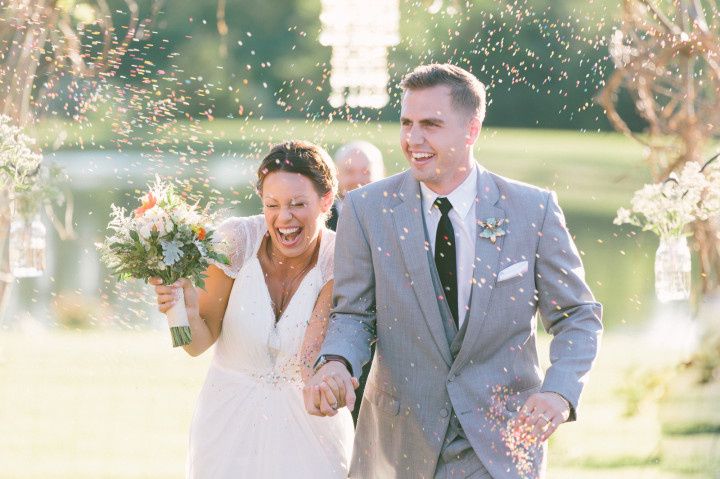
(290, 236)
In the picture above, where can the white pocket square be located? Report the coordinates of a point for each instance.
(512, 271)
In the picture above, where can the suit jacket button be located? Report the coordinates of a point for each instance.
(444, 412)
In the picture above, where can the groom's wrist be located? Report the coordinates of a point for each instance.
(326, 358)
(567, 402)
(569, 405)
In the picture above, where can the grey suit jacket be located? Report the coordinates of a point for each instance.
(384, 292)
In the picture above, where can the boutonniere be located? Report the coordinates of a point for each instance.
(492, 228)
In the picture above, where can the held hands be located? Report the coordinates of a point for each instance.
(544, 412)
(329, 389)
(167, 295)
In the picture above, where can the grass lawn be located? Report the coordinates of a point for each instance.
(115, 404)
(104, 404)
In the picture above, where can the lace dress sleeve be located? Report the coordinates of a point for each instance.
(236, 237)
(326, 257)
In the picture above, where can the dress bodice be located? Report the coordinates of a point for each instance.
(251, 341)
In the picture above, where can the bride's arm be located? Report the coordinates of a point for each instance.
(213, 302)
(315, 332)
(205, 308)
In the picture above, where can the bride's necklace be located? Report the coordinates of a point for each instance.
(288, 284)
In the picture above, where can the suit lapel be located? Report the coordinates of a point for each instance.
(410, 229)
(486, 259)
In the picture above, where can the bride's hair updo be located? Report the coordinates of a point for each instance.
(301, 157)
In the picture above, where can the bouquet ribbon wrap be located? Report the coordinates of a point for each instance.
(178, 321)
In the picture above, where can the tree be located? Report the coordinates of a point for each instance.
(41, 42)
(667, 56)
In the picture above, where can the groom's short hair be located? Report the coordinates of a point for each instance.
(466, 91)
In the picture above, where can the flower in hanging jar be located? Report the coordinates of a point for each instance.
(666, 208)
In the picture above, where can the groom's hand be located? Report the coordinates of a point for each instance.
(544, 412)
(340, 390)
(331, 388)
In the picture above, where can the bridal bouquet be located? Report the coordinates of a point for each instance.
(165, 237)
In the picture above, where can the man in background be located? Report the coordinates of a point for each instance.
(358, 163)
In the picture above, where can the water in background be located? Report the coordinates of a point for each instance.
(619, 266)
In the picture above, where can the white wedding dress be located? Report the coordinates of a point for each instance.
(250, 420)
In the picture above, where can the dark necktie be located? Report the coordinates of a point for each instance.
(445, 256)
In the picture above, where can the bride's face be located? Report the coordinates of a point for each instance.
(294, 211)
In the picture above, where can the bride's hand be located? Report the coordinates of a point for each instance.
(167, 295)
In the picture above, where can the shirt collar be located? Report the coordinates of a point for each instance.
(462, 198)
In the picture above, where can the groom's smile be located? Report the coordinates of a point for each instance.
(421, 159)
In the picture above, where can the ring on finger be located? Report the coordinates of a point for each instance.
(545, 418)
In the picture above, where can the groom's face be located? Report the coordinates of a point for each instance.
(436, 137)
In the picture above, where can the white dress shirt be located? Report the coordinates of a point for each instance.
(462, 217)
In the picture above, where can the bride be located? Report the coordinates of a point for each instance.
(267, 314)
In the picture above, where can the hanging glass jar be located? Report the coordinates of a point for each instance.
(672, 269)
(27, 238)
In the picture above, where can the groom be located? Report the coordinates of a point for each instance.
(445, 266)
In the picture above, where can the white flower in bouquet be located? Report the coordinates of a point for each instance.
(154, 220)
(165, 237)
(187, 214)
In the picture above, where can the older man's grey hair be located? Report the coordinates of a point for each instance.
(367, 149)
